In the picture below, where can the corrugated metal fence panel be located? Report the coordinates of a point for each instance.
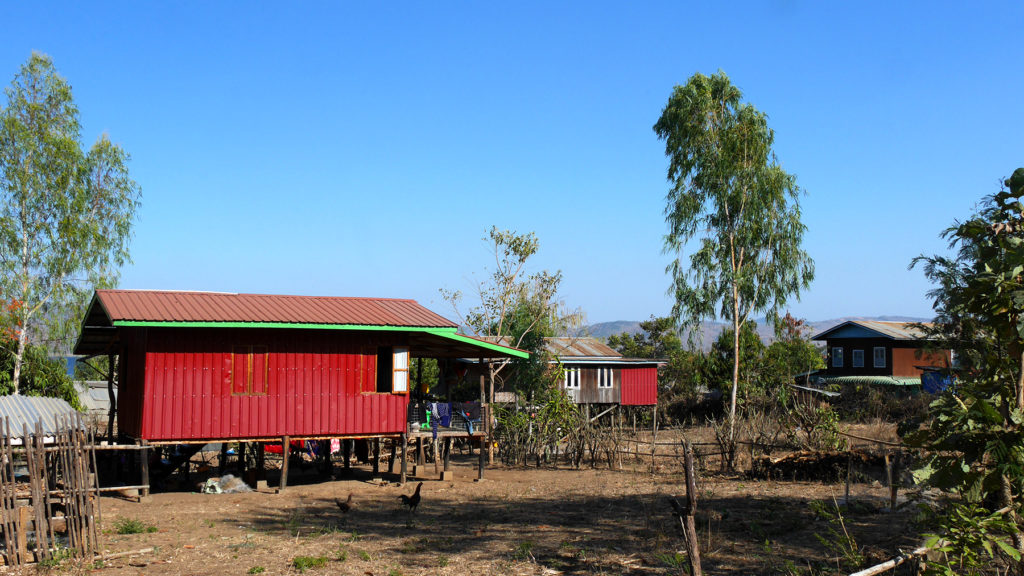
(314, 387)
(639, 386)
(27, 410)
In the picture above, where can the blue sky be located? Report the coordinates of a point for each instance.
(354, 150)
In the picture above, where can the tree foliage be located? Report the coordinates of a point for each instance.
(728, 188)
(66, 212)
(975, 438)
(516, 307)
(41, 374)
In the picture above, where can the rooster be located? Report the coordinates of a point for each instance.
(344, 505)
(412, 501)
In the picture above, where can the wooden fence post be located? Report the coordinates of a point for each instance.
(690, 525)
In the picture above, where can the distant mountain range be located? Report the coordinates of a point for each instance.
(711, 330)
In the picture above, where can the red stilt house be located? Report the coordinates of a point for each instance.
(204, 366)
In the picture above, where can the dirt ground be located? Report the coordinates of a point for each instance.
(517, 521)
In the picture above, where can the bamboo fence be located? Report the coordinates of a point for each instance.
(48, 493)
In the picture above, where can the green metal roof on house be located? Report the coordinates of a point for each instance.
(873, 380)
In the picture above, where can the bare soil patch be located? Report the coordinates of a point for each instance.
(517, 521)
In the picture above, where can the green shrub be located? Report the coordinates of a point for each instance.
(132, 526)
(303, 563)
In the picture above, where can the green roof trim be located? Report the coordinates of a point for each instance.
(453, 335)
(449, 333)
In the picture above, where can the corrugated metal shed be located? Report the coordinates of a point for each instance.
(170, 306)
(27, 410)
(894, 330)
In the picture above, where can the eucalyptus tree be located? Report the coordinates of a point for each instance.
(66, 212)
(728, 191)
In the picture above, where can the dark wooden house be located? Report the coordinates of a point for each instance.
(874, 348)
(200, 366)
(597, 374)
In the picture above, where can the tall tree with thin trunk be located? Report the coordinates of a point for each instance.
(66, 212)
(729, 192)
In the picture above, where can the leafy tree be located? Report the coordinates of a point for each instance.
(718, 368)
(728, 187)
(516, 308)
(66, 213)
(975, 438)
(41, 374)
(791, 353)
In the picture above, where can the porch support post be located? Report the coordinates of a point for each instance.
(484, 409)
(111, 397)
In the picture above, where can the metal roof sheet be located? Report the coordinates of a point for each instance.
(188, 307)
(27, 410)
(568, 347)
(894, 330)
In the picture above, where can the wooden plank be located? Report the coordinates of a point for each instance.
(5, 509)
(42, 546)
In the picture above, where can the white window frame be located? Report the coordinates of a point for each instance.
(605, 378)
(878, 356)
(837, 356)
(400, 370)
(572, 378)
(858, 359)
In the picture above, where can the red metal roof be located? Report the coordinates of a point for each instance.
(171, 306)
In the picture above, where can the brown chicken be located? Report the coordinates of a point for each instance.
(412, 501)
(345, 505)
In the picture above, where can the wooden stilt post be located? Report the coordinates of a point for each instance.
(286, 455)
(394, 455)
(144, 492)
(405, 449)
(261, 465)
(376, 457)
(346, 454)
(223, 460)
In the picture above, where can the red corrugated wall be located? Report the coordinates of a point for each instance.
(639, 386)
(319, 383)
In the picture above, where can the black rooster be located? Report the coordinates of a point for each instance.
(412, 501)
(344, 505)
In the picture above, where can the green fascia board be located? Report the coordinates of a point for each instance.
(453, 335)
(449, 333)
